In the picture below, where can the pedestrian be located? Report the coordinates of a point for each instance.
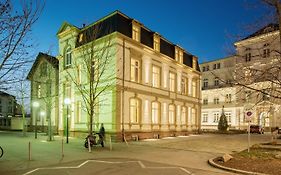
(102, 134)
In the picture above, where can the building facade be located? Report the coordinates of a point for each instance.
(245, 82)
(137, 82)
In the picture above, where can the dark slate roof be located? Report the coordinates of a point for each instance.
(268, 28)
(2, 93)
(119, 22)
(52, 60)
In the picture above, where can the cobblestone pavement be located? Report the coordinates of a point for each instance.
(176, 155)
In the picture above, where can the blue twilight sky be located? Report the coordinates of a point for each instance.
(205, 28)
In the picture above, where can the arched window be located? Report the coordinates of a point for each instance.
(155, 112)
(134, 110)
(67, 57)
(171, 114)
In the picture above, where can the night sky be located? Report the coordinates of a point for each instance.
(205, 28)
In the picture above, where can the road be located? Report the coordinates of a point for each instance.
(175, 155)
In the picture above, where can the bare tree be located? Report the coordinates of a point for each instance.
(15, 27)
(92, 73)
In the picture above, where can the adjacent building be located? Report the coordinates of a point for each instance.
(131, 79)
(247, 81)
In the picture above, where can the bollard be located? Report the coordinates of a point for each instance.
(62, 154)
(29, 151)
(89, 145)
(110, 144)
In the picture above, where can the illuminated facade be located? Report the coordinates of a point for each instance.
(253, 67)
(153, 85)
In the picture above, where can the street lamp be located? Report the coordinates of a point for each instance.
(35, 106)
(42, 115)
(67, 102)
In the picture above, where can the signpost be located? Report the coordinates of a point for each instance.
(248, 119)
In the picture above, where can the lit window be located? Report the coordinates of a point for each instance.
(156, 76)
(205, 83)
(205, 101)
(156, 42)
(216, 117)
(81, 37)
(194, 88)
(134, 110)
(184, 85)
(178, 55)
(172, 81)
(136, 32)
(216, 100)
(67, 57)
(78, 112)
(171, 114)
(155, 112)
(193, 116)
(39, 91)
(135, 70)
(228, 116)
(228, 98)
(205, 118)
(183, 115)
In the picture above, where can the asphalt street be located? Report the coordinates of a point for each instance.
(173, 155)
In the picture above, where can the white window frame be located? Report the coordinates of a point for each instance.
(172, 110)
(155, 112)
(134, 110)
(135, 70)
(156, 76)
(172, 82)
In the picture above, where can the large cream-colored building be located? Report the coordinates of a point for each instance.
(148, 86)
(247, 81)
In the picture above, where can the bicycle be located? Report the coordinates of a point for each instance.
(1, 151)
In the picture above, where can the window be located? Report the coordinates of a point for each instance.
(215, 66)
(247, 96)
(172, 81)
(194, 88)
(216, 117)
(228, 98)
(171, 114)
(134, 110)
(178, 54)
(156, 43)
(10, 106)
(205, 101)
(194, 62)
(67, 90)
(193, 116)
(216, 82)
(183, 115)
(67, 57)
(135, 70)
(248, 57)
(156, 76)
(204, 68)
(43, 69)
(39, 91)
(80, 37)
(155, 112)
(207, 68)
(218, 65)
(78, 112)
(184, 85)
(266, 53)
(216, 100)
(228, 116)
(205, 83)
(205, 118)
(79, 74)
(136, 32)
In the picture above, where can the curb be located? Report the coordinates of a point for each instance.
(212, 163)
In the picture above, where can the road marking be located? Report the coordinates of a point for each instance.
(140, 163)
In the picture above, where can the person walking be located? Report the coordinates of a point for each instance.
(102, 134)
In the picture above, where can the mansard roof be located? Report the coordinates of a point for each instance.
(267, 29)
(52, 60)
(119, 22)
(2, 93)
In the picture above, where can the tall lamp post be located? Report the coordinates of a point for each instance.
(67, 103)
(35, 106)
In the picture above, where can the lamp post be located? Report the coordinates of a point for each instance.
(67, 103)
(35, 105)
(42, 114)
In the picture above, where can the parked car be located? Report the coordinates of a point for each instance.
(256, 129)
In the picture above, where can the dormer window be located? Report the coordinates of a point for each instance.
(67, 57)
(80, 37)
(194, 62)
(178, 54)
(136, 31)
(156, 42)
(266, 51)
